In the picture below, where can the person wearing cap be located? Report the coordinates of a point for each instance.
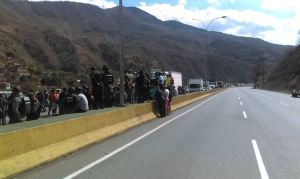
(82, 104)
(14, 103)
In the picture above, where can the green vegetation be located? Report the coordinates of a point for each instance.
(286, 76)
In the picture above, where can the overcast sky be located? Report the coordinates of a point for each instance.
(276, 21)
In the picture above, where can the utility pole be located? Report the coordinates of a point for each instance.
(122, 81)
(206, 27)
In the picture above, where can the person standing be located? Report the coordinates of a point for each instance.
(140, 86)
(35, 108)
(40, 98)
(61, 97)
(128, 85)
(53, 102)
(88, 94)
(97, 88)
(14, 104)
(2, 109)
(108, 81)
(159, 101)
(166, 101)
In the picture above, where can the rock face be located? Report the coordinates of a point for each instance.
(70, 37)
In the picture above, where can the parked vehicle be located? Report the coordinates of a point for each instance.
(211, 86)
(296, 93)
(195, 85)
(183, 89)
(220, 84)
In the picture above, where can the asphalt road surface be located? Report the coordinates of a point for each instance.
(240, 133)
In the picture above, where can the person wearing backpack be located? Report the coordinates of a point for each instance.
(35, 108)
(14, 106)
(69, 101)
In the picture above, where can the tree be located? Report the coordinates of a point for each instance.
(256, 76)
(258, 71)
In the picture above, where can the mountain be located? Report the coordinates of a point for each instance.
(70, 37)
(286, 75)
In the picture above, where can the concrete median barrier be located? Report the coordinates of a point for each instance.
(27, 148)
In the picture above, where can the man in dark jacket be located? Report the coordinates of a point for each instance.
(35, 108)
(69, 101)
(108, 81)
(14, 104)
(97, 88)
(61, 98)
(159, 99)
(140, 87)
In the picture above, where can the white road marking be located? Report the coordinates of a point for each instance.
(261, 166)
(102, 159)
(239, 98)
(241, 103)
(261, 95)
(286, 105)
(270, 98)
(245, 115)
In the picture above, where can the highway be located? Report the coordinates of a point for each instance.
(239, 133)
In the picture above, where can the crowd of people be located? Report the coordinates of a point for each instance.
(103, 92)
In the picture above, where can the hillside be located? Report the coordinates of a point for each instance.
(70, 37)
(286, 75)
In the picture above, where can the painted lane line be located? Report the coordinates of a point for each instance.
(102, 159)
(245, 115)
(260, 163)
(262, 95)
(239, 98)
(241, 103)
(286, 105)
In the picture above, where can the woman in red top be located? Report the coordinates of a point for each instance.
(53, 102)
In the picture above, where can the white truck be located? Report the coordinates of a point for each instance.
(195, 85)
(177, 77)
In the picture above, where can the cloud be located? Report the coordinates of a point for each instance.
(219, 2)
(280, 5)
(101, 3)
(214, 2)
(250, 23)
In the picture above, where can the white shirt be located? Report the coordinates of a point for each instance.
(166, 94)
(83, 103)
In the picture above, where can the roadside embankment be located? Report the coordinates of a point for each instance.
(27, 148)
